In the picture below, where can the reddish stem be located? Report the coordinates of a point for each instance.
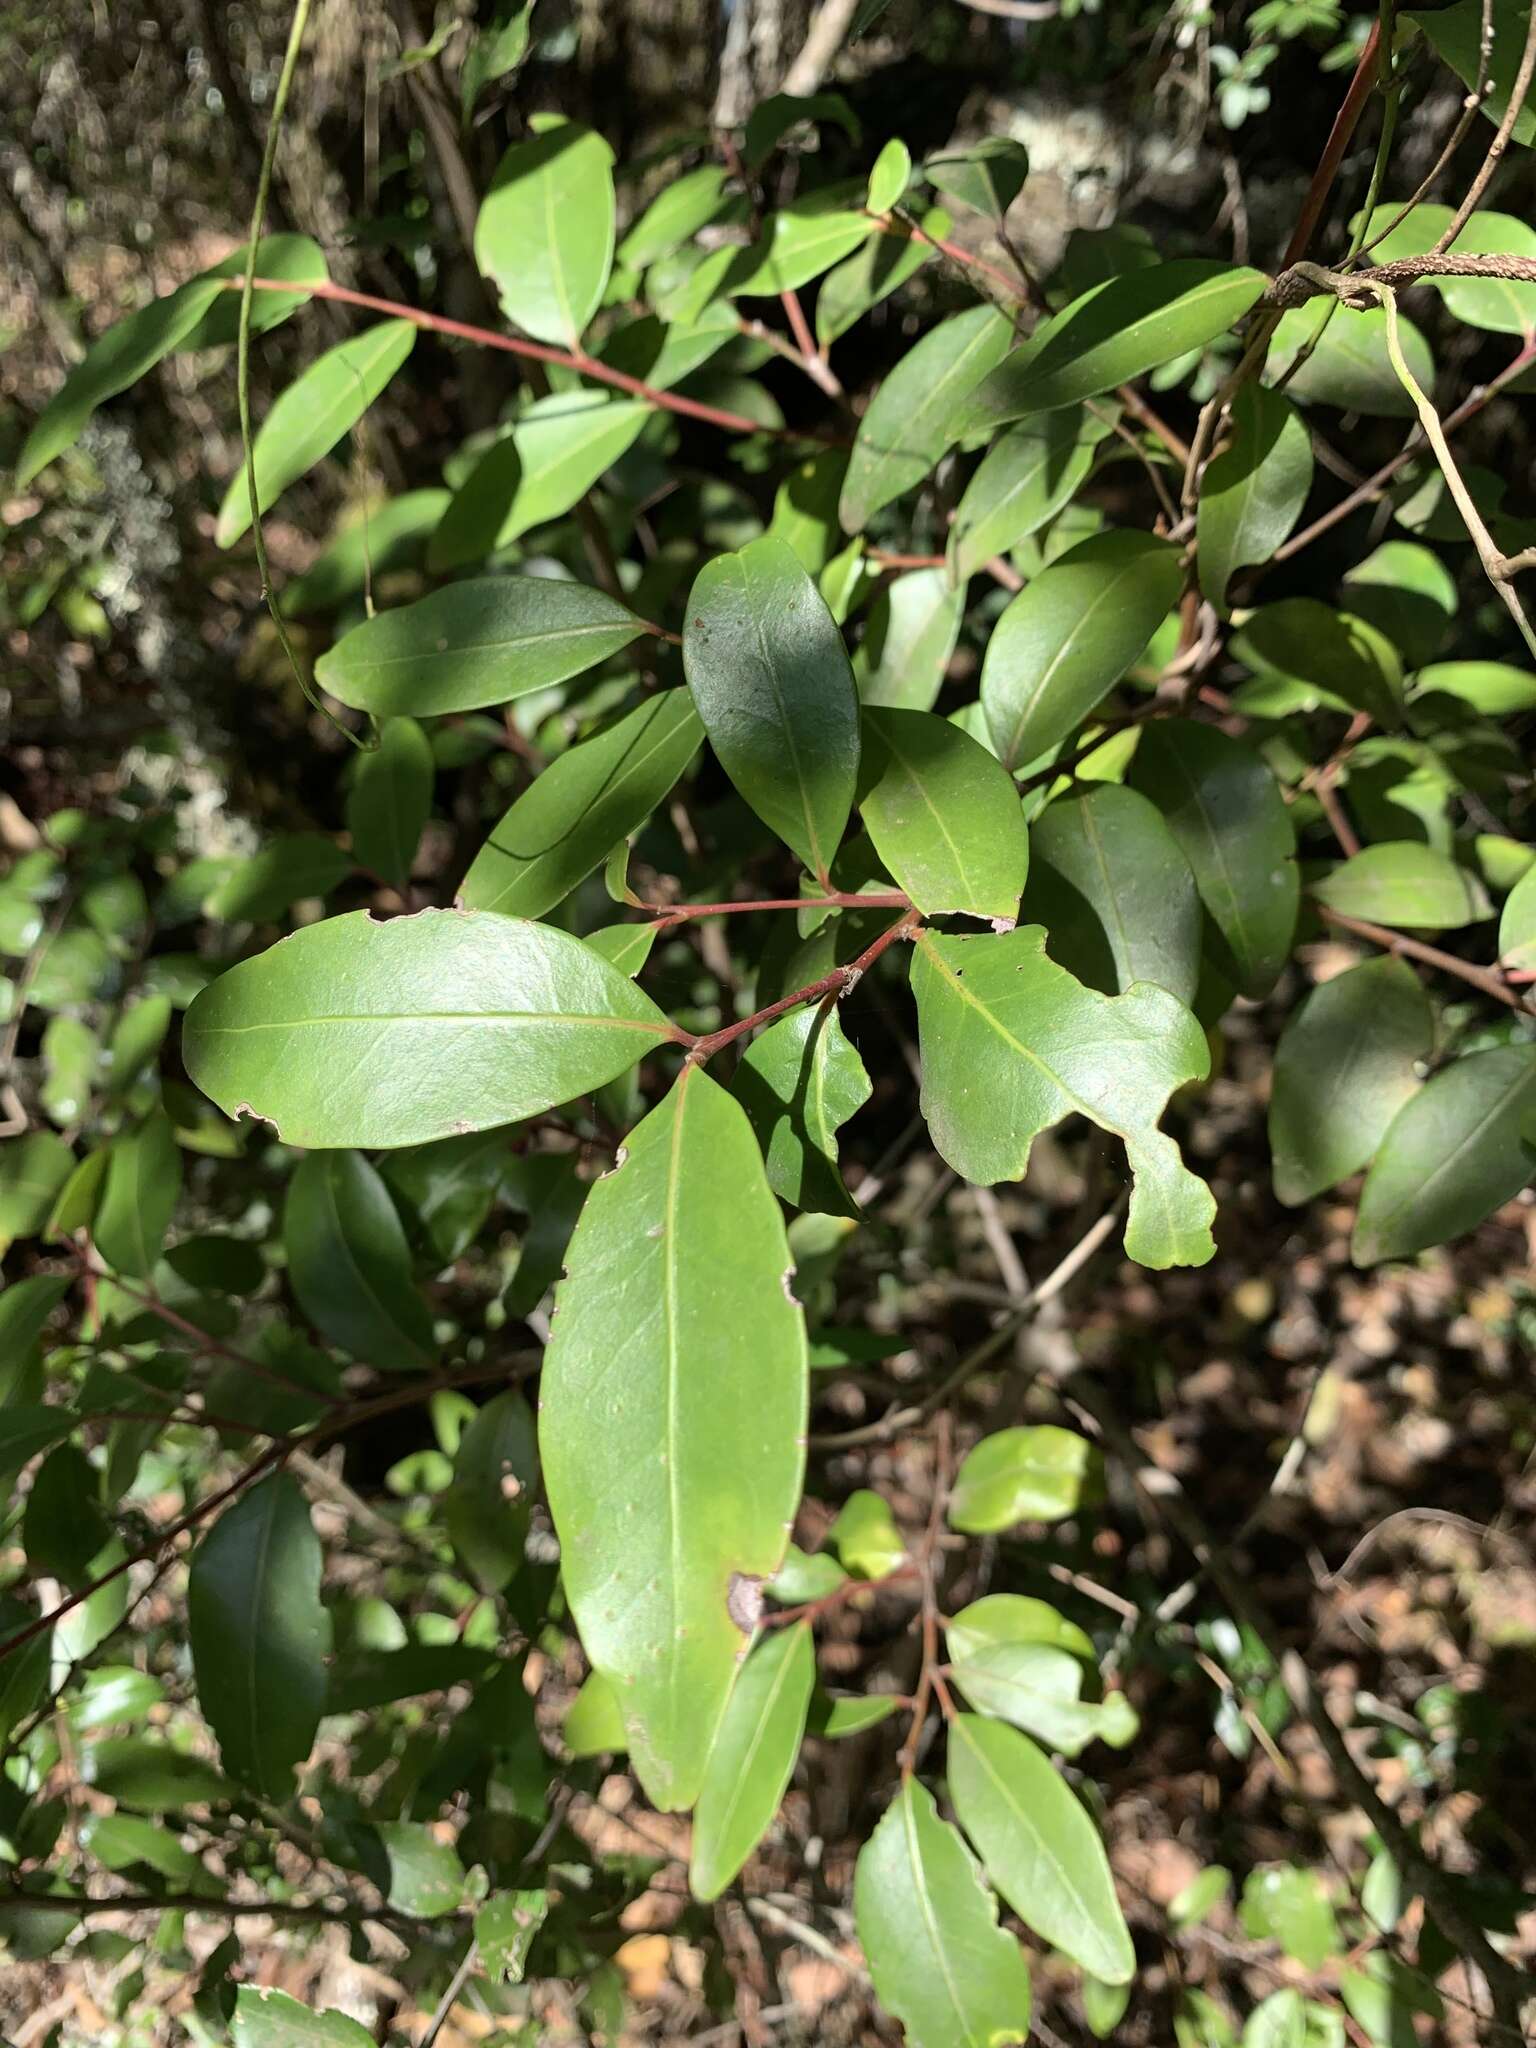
(840, 899)
(812, 1610)
(1345, 123)
(837, 983)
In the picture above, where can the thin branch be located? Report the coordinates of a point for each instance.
(1470, 108)
(823, 40)
(839, 899)
(450, 1997)
(1518, 94)
(1342, 133)
(1483, 978)
(836, 984)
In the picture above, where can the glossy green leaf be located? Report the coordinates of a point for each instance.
(1110, 883)
(505, 1928)
(928, 1926)
(271, 2019)
(915, 415)
(889, 177)
(1070, 635)
(1343, 656)
(909, 635)
(1038, 1474)
(260, 1635)
(1494, 688)
(1455, 1152)
(1251, 493)
(310, 417)
(1023, 481)
(145, 1772)
(988, 176)
(288, 870)
(350, 1266)
(876, 269)
(375, 541)
(390, 800)
(1349, 366)
(483, 642)
(1224, 808)
(594, 795)
(544, 236)
(1403, 882)
(1347, 1061)
(142, 1188)
(558, 449)
(837, 1717)
(1011, 1043)
(1038, 1845)
(944, 816)
(865, 1535)
(351, 1032)
(1406, 591)
(672, 1421)
(1517, 926)
(1457, 33)
(1035, 1687)
(594, 1724)
(488, 1508)
(628, 946)
(674, 216)
(32, 1171)
(752, 1757)
(1289, 1904)
(799, 1083)
(796, 246)
(1115, 332)
(1013, 1618)
(771, 679)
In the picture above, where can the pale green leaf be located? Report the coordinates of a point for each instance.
(544, 236)
(1011, 1043)
(796, 246)
(558, 449)
(1493, 688)
(1279, 2021)
(1039, 1474)
(909, 636)
(1013, 1618)
(593, 1724)
(426, 1878)
(944, 816)
(1517, 926)
(1251, 493)
(350, 1266)
(505, 1927)
(351, 1032)
(628, 946)
(865, 1535)
(1286, 1903)
(142, 1187)
(800, 1081)
(271, 2019)
(672, 1422)
(1035, 1687)
(1403, 882)
(1024, 479)
(805, 509)
(752, 1757)
(675, 216)
(1349, 366)
(390, 800)
(889, 177)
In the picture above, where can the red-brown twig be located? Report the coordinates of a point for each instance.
(837, 983)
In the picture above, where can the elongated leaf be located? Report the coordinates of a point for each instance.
(1070, 635)
(1223, 807)
(771, 679)
(488, 1508)
(915, 414)
(143, 1185)
(1024, 480)
(1038, 1845)
(271, 2019)
(1457, 33)
(1517, 925)
(1035, 1687)
(374, 542)
(928, 1927)
(1406, 592)
(292, 259)
(1279, 2021)
(799, 1083)
(1110, 883)
(1343, 656)
(1115, 332)
(1496, 304)
(486, 641)
(873, 272)
(889, 177)
(355, 1033)
(672, 1420)
(944, 816)
(32, 1171)
(795, 247)
(311, 416)
(1013, 1618)
(752, 1757)
(908, 638)
(1011, 1043)
(350, 1265)
(544, 236)
(989, 175)
(1454, 1153)
(1494, 688)
(1346, 1063)
(675, 216)
(1403, 882)
(1252, 493)
(1015, 1475)
(289, 868)
(260, 1635)
(559, 448)
(583, 804)
(390, 800)
(1349, 366)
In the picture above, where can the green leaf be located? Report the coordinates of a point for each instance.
(1346, 1063)
(876, 269)
(363, 1679)
(584, 803)
(112, 1694)
(594, 1724)
(351, 1032)
(71, 1059)
(63, 1527)
(1252, 493)
(628, 946)
(1517, 926)
(32, 1171)
(1104, 2006)
(118, 1841)
(909, 636)
(1343, 657)
(928, 1926)
(1383, 1995)
(944, 816)
(374, 543)
(142, 1189)
(136, 1037)
(447, 1188)
(311, 416)
(426, 1877)
(1038, 1845)
(558, 449)
(488, 1508)
(800, 1081)
(295, 259)
(773, 118)
(260, 1635)
(1115, 332)
(496, 50)
(390, 800)
(915, 415)
(144, 1771)
(1455, 1152)
(805, 509)
(505, 1929)
(675, 216)
(1024, 479)
(805, 1575)
(544, 236)
(1349, 366)
(25, 1306)
(1222, 805)
(797, 245)
(1194, 1901)
(752, 1757)
(1403, 882)
(889, 177)
(1070, 635)
(988, 176)
(1288, 1904)
(1110, 883)
(349, 1264)
(485, 641)
(1493, 688)
(865, 1535)
(271, 2019)
(836, 1717)
(672, 1422)
(27, 1428)
(287, 870)
(1457, 33)
(1039, 1474)
(1405, 591)
(771, 679)
(1013, 1618)
(1011, 1043)
(1279, 2021)
(1035, 1687)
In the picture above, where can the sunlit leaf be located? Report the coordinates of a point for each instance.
(944, 816)
(751, 1758)
(544, 236)
(799, 1082)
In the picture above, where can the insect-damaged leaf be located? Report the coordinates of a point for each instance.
(800, 1081)
(1011, 1043)
(752, 1756)
(356, 1033)
(671, 1422)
